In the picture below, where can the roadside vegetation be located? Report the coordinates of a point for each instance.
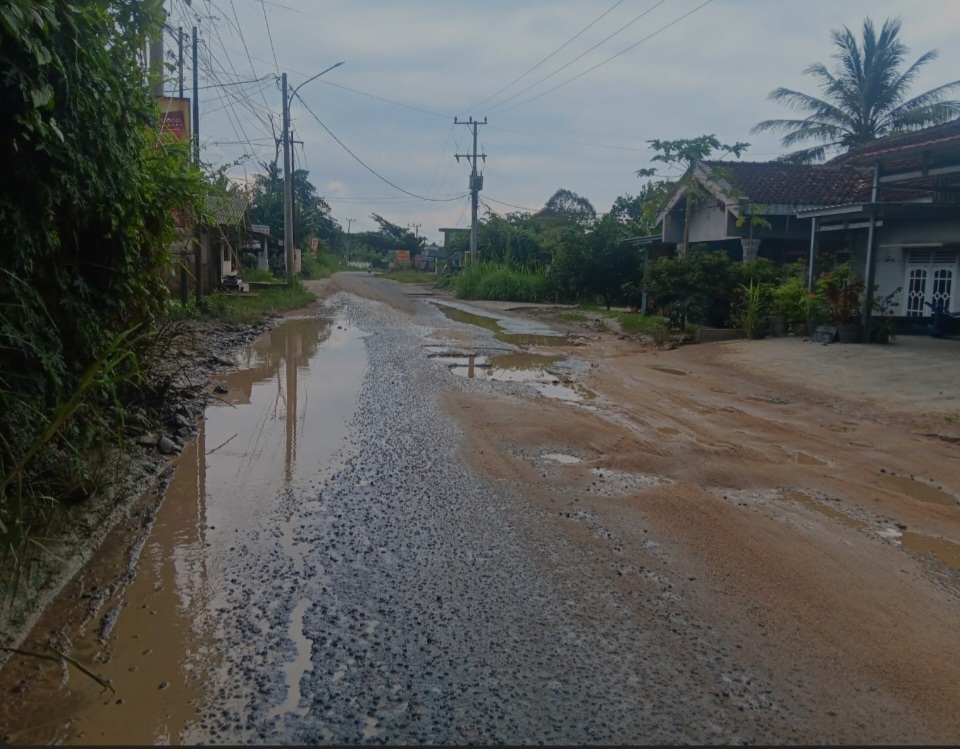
(84, 237)
(409, 276)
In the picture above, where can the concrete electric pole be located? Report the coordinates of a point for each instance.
(288, 230)
(476, 182)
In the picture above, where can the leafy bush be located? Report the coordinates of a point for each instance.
(503, 283)
(88, 196)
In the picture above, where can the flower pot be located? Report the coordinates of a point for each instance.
(850, 333)
(778, 325)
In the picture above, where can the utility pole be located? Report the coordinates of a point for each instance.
(287, 183)
(288, 230)
(184, 280)
(349, 221)
(476, 182)
(195, 107)
(180, 57)
(156, 63)
(416, 229)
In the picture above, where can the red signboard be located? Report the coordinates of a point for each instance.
(174, 116)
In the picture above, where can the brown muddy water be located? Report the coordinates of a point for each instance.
(153, 633)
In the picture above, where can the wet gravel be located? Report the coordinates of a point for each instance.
(436, 607)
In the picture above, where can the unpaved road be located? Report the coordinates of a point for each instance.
(729, 543)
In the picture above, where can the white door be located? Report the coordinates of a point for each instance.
(931, 279)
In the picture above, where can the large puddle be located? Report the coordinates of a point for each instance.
(919, 490)
(284, 416)
(517, 331)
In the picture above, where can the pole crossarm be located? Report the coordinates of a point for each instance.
(476, 181)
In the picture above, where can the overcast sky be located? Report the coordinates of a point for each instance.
(411, 66)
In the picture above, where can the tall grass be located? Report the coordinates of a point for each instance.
(62, 454)
(234, 308)
(322, 266)
(503, 283)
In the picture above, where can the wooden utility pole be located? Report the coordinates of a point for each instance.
(476, 182)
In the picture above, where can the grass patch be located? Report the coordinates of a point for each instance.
(630, 322)
(323, 265)
(409, 276)
(249, 309)
(503, 283)
(572, 317)
(257, 275)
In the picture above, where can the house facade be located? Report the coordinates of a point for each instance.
(904, 233)
(890, 208)
(750, 210)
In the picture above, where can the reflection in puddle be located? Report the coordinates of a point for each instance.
(560, 458)
(669, 370)
(811, 504)
(291, 407)
(295, 669)
(516, 367)
(945, 552)
(919, 490)
(500, 327)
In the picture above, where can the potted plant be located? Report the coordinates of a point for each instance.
(842, 292)
(756, 305)
(790, 302)
(881, 328)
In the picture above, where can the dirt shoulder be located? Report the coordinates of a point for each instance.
(801, 501)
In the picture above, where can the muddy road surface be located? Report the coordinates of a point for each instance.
(411, 520)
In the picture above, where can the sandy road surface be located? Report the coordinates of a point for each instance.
(804, 500)
(739, 542)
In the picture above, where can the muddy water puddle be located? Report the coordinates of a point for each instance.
(284, 416)
(520, 367)
(517, 331)
(821, 508)
(919, 490)
(947, 553)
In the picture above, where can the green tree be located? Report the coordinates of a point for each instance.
(89, 198)
(608, 263)
(685, 153)
(395, 237)
(864, 96)
(311, 214)
(566, 206)
(639, 213)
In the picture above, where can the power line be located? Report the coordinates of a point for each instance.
(557, 50)
(613, 57)
(511, 205)
(368, 168)
(580, 56)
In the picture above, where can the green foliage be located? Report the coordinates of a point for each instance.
(706, 288)
(685, 153)
(322, 266)
(755, 305)
(865, 96)
(842, 292)
(88, 197)
(503, 283)
(311, 213)
(248, 309)
(410, 276)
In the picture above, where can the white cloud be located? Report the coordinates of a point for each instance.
(709, 73)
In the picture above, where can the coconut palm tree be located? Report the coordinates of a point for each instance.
(864, 96)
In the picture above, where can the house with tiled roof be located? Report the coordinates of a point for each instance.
(903, 233)
(891, 208)
(756, 202)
